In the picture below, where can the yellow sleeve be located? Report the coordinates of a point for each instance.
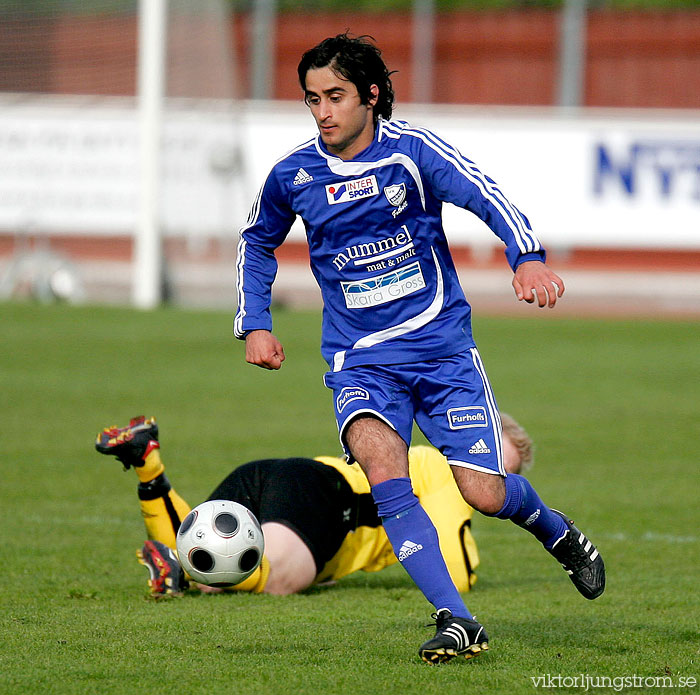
(434, 485)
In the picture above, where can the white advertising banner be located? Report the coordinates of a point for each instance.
(73, 168)
(628, 180)
(585, 179)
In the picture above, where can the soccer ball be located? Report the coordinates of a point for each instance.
(220, 543)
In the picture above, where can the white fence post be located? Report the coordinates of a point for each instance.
(147, 266)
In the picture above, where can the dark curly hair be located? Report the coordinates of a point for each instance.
(357, 60)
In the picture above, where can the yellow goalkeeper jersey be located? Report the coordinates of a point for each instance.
(367, 547)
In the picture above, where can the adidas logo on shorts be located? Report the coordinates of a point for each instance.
(479, 448)
(302, 177)
(407, 549)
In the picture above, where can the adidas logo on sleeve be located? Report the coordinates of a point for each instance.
(479, 448)
(407, 549)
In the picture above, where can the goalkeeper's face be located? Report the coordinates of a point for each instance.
(346, 124)
(511, 456)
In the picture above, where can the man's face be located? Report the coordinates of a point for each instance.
(346, 124)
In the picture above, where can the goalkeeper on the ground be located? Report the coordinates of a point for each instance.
(318, 517)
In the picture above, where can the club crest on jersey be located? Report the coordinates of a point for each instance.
(348, 394)
(467, 417)
(352, 190)
(396, 195)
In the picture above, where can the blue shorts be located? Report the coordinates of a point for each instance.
(449, 398)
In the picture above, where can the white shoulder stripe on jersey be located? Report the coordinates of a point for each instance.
(471, 168)
(343, 168)
(526, 241)
(303, 146)
(389, 133)
(508, 211)
(413, 323)
(255, 209)
(524, 237)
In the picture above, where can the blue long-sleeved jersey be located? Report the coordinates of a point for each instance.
(377, 246)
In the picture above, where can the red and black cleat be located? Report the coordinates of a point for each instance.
(167, 578)
(130, 444)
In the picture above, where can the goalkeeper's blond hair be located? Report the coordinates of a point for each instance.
(521, 440)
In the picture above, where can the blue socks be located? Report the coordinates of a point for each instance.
(415, 542)
(524, 508)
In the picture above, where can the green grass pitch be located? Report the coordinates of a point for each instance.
(613, 406)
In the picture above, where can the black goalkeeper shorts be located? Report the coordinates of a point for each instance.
(312, 499)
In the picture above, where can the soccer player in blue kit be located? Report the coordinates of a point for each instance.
(396, 324)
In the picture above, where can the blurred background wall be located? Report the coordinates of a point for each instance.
(588, 111)
(633, 57)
